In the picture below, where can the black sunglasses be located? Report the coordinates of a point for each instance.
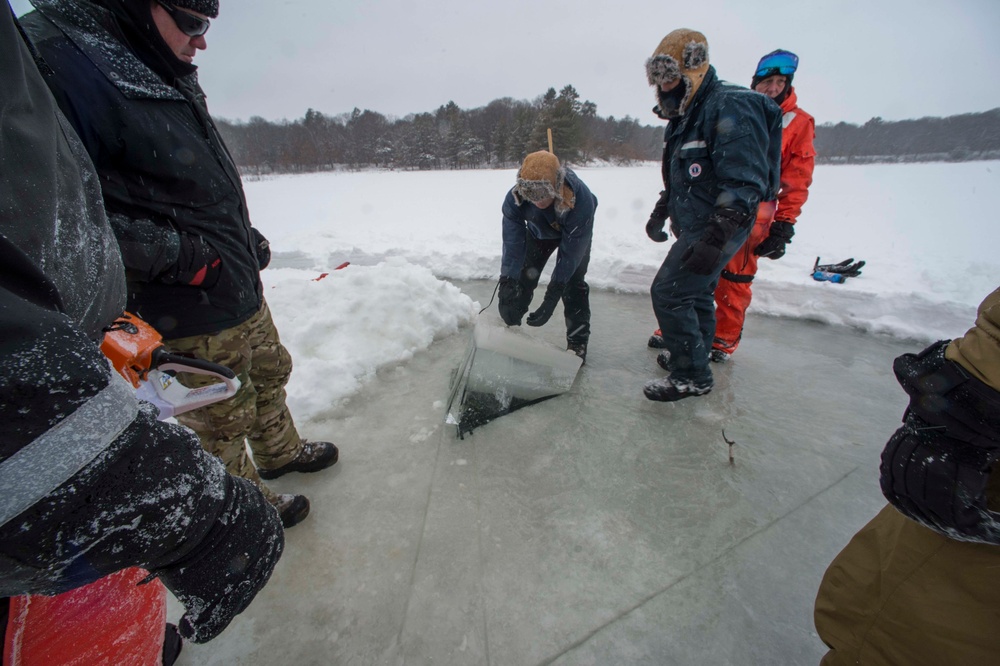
(189, 24)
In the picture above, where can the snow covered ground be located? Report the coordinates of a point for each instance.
(928, 232)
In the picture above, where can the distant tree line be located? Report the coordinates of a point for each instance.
(501, 133)
(970, 136)
(497, 135)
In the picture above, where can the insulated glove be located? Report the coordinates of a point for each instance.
(511, 306)
(845, 267)
(226, 570)
(548, 306)
(654, 229)
(262, 247)
(198, 264)
(702, 257)
(773, 247)
(935, 468)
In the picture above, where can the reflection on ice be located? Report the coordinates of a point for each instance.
(503, 370)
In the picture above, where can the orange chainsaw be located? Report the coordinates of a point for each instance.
(137, 352)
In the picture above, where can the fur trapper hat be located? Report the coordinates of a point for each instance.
(209, 8)
(683, 54)
(542, 177)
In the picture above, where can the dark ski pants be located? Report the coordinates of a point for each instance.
(576, 298)
(684, 305)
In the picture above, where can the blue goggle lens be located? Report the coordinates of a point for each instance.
(783, 63)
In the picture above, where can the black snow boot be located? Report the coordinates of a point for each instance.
(719, 356)
(663, 360)
(312, 457)
(293, 509)
(578, 348)
(671, 389)
(656, 340)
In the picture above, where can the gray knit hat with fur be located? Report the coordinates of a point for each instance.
(209, 8)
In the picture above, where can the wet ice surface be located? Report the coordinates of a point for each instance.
(593, 528)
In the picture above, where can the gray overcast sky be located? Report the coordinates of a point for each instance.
(858, 58)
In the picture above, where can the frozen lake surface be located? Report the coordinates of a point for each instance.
(593, 528)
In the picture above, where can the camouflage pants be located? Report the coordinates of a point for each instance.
(257, 413)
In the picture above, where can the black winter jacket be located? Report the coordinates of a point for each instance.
(724, 152)
(574, 229)
(91, 482)
(169, 182)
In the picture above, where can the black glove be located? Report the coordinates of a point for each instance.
(845, 267)
(773, 247)
(219, 579)
(262, 247)
(935, 468)
(198, 264)
(548, 306)
(512, 306)
(654, 229)
(702, 258)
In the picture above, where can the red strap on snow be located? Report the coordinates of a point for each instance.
(323, 275)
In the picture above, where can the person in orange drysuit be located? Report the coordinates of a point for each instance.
(773, 228)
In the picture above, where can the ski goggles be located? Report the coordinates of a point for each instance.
(189, 24)
(778, 62)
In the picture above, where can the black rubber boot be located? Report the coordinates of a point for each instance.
(312, 457)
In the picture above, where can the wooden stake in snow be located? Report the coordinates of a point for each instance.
(549, 132)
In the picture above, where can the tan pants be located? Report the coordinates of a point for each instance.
(900, 593)
(257, 413)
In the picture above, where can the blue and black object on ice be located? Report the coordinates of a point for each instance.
(837, 273)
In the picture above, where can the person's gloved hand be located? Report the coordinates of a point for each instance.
(510, 305)
(219, 578)
(847, 267)
(263, 249)
(936, 468)
(773, 247)
(654, 229)
(940, 482)
(702, 257)
(198, 264)
(548, 306)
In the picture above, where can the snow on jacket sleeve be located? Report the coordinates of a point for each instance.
(798, 157)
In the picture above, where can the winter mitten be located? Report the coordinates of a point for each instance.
(847, 267)
(198, 264)
(511, 304)
(219, 578)
(773, 247)
(702, 257)
(654, 229)
(262, 247)
(935, 468)
(548, 306)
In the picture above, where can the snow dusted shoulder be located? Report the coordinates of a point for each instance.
(340, 329)
(928, 233)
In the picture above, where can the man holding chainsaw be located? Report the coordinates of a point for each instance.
(123, 74)
(91, 482)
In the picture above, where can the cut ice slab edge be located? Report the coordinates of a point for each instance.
(519, 345)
